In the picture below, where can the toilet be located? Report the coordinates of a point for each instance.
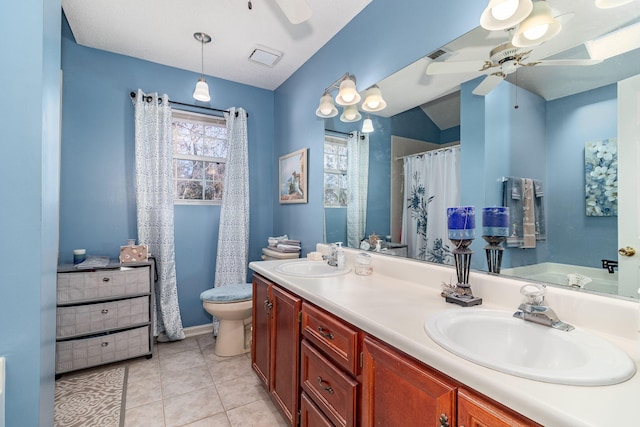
(232, 306)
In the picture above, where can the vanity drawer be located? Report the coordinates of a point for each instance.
(310, 415)
(334, 392)
(103, 284)
(85, 319)
(331, 335)
(98, 350)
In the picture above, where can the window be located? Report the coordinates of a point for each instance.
(199, 157)
(335, 171)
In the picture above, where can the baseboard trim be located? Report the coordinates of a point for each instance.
(193, 331)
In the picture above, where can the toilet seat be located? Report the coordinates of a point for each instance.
(228, 294)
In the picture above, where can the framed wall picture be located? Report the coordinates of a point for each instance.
(292, 178)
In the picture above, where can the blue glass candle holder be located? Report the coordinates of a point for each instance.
(461, 225)
(495, 229)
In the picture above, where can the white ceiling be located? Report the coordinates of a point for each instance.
(581, 21)
(161, 31)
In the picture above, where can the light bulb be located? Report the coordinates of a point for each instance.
(373, 104)
(348, 97)
(536, 32)
(504, 10)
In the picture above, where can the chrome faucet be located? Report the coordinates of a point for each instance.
(332, 258)
(533, 309)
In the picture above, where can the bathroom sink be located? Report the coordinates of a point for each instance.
(497, 340)
(310, 269)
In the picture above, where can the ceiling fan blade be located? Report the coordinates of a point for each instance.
(488, 84)
(454, 67)
(296, 11)
(568, 62)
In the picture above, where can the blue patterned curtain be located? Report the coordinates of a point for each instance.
(154, 205)
(357, 180)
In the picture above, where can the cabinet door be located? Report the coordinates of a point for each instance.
(260, 331)
(285, 352)
(398, 391)
(477, 411)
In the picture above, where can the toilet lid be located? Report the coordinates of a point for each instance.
(231, 293)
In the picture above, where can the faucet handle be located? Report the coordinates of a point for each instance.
(533, 293)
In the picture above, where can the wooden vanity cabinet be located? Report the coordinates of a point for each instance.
(475, 410)
(275, 352)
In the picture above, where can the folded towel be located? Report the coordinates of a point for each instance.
(273, 241)
(272, 254)
(286, 248)
(291, 242)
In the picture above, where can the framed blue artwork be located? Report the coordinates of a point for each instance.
(601, 177)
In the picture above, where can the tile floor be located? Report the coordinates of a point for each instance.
(186, 384)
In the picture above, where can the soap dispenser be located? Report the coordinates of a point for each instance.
(340, 256)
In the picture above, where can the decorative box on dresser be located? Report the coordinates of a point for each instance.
(103, 315)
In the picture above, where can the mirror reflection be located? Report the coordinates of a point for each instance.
(552, 124)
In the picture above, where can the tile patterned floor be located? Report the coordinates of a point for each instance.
(186, 384)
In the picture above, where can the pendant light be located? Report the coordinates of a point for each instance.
(367, 125)
(503, 14)
(350, 114)
(348, 94)
(326, 108)
(539, 27)
(373, 100)
(201, 93)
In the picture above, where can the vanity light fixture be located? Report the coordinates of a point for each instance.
(539, 27)
(367, 125)
(503, 14)
(608, 4)
(201, 93)
(348, 94)
(373, 100)
(350, 114)
(326, 108)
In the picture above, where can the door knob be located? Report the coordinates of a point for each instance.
(627, 251)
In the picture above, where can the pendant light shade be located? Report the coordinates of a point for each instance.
(373, 100)
(539, 27)
(201, 92)
(348, 94)
(503, 14)
(350, 114)
(367, 125)
(326, 108)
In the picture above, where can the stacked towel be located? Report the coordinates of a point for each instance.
(282, 245)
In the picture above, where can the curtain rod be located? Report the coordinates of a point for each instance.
(338, 132)
(148, 98)
(422, 153)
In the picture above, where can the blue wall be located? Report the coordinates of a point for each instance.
(370, 56)
(30, 76)
(97, 205)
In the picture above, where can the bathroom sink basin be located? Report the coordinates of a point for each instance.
(497, 340)
(310, 269)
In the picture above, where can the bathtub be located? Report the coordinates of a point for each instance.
(550, 272)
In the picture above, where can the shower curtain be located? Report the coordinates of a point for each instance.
(233, 231)
(431, 185)
(357, 182)
(154, 205)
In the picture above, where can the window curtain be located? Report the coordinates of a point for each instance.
(233, 231)
(154, 205)
(431, 185)
(358, 182)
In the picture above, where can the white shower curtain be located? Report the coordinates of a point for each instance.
(154, 205)
(357, 181)
(233, 231)
(431, 185)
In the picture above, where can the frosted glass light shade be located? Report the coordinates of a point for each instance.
(373, 100)
(326, 108)
(367, 125)
(538, 28)
(202, 91)
(350, 114)
(497, 15)
(348, 94)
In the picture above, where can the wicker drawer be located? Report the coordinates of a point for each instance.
(91, 318)
(334, 392)
(331, 335)
(107, 348)
(102, 284)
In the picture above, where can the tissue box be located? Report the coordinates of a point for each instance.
(133, 253)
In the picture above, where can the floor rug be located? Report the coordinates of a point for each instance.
(95, 399)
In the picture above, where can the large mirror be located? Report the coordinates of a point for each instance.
(542, 122)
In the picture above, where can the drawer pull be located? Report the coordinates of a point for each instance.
(104, 311)
(325, 385)
(325, 333)
(104, 344)
(444, 421)
(105, 279)
(268, 305)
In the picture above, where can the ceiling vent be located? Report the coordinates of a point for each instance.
(265, 56)
(439, 53)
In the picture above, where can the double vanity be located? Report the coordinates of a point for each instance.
(335, 348)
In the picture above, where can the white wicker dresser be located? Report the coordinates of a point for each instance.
(103, 315)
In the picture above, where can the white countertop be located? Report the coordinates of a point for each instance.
(393, 303)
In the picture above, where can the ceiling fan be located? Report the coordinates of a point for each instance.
(503, 60)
